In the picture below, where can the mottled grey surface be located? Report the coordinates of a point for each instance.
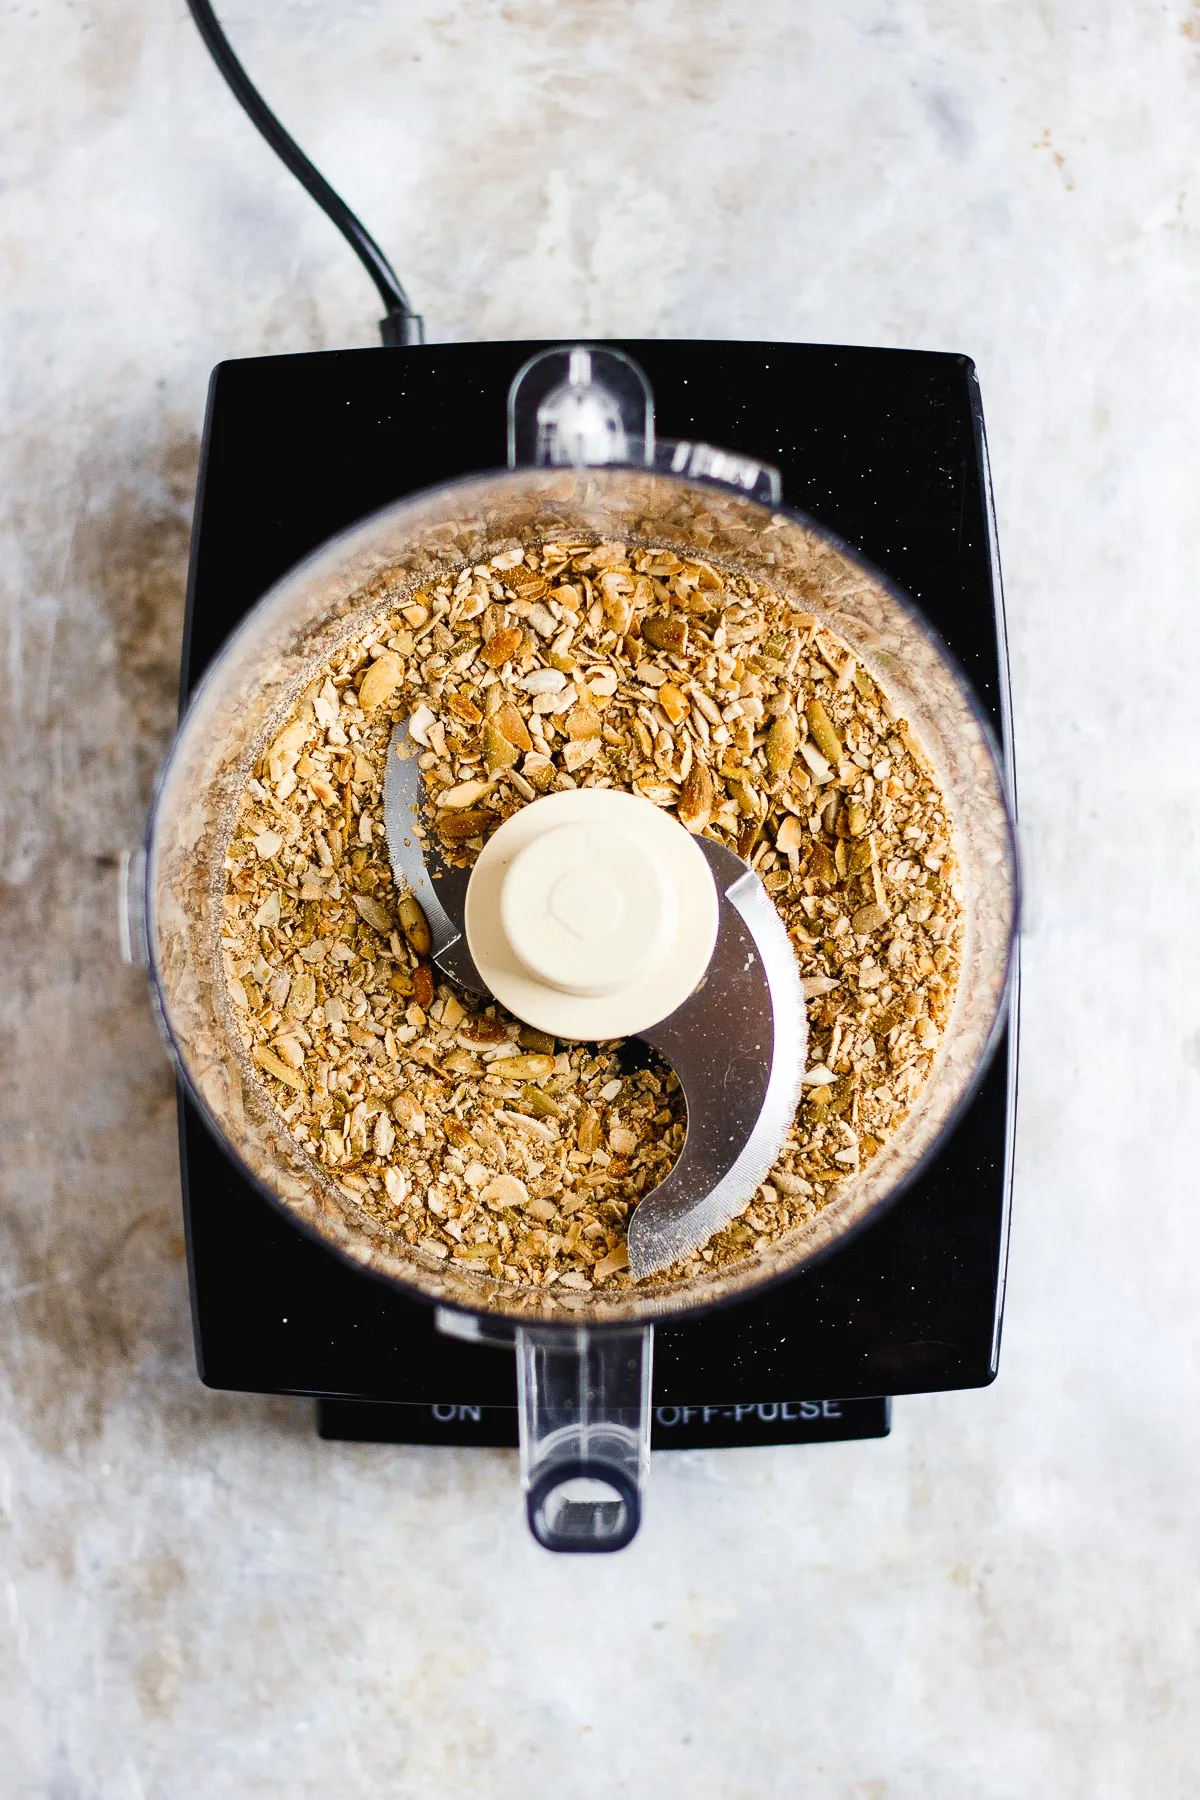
(202, 1602)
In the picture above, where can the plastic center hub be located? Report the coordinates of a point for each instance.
(591, 914)
(586, 909)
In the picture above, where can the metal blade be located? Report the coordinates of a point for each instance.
(738, 1046)
(417, 866)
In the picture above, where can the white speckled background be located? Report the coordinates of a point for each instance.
(203, 1602)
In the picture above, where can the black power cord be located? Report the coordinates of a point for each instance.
(400, 324)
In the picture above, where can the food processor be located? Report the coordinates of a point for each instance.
(587, 461)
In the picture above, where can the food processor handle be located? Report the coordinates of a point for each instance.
(584, 405)
(584, 1410)
(580, 405)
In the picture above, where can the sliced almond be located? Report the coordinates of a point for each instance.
(535, 1128)
(505, 1190)
(816, 761)
(542, 681)
(577, 752)
(818, 1076)
(612, 1264)
(290, 1050)
(419, 721)
(380, 681)
(814, 985)
(465, 793)
(289, 743)
(542, 620)
(791, 833)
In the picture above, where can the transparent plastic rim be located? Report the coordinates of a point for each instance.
(320, 602)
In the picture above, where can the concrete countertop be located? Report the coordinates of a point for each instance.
(202, 1601)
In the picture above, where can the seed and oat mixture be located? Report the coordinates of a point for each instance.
(477, 1137)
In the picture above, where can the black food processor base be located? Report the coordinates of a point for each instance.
(884, 447)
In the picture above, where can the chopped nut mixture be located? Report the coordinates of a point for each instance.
(607, 665)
